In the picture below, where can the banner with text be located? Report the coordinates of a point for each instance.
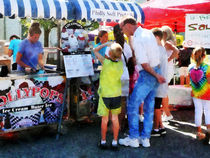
(197, 30)
(30, 102)
(109, 14)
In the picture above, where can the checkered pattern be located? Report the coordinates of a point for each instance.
(51, 116)
(14, 120)
(35, 118)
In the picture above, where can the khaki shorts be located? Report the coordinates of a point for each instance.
(104, 111)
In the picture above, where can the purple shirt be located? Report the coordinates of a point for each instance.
(30, 52)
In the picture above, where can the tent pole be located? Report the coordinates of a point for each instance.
(5, 28)
(58, 41)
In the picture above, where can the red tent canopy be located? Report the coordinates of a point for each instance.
(172, 12)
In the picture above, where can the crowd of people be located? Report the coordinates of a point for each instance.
(134, 79)
(151, 54)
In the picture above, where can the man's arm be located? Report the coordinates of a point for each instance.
(149, 69)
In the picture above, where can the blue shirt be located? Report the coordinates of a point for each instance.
(14, 46)
(30, 52)
(102, 51)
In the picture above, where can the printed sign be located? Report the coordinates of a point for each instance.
(197, 30)
(78, 65)
(30, 102)
(109, 14)
(74, 38)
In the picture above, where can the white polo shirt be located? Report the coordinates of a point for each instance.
(145, 48)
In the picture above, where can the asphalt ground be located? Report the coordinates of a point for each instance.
(79, 140)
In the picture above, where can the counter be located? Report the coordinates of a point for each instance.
(30, 100)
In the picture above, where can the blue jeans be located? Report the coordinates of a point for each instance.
(144, 91)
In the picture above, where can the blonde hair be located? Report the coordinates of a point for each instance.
(169, 33)
(198, 54)
(116, 50)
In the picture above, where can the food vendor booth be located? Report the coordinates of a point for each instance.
(33, 99)
(28, 100)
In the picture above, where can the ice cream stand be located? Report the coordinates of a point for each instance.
(31, 100)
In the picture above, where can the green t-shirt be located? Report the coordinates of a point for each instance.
(110, 79)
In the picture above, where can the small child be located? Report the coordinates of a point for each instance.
(162, 89)
(200, 83)
(110, 91)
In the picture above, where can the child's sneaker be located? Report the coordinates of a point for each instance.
(155, 133)
(162, 131)
(102, 146)
(114, 145)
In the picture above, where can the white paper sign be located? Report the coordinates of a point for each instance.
(109, 14)
(78, 65)
(197, 30)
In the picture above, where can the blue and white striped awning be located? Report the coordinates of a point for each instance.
(108, 10)
(58, 9)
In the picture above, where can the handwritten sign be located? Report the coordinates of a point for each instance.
(109, 14)
(78, 65)
(197, 30)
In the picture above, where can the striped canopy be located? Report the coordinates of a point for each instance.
(46, 9)
(106, 10)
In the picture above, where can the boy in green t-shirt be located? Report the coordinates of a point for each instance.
(110, 91)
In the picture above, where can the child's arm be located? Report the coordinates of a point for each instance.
(97, 54)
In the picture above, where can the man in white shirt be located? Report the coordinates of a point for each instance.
(147, 57)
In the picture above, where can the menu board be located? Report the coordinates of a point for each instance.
(78, 65)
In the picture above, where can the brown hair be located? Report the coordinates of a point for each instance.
(157, 32)
(34, 29)
(198, 54)
(14, 36)
(118, 35)
(128, 19)
(100, 34)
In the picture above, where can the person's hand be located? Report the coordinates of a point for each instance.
(161, 79)
(27, 69)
